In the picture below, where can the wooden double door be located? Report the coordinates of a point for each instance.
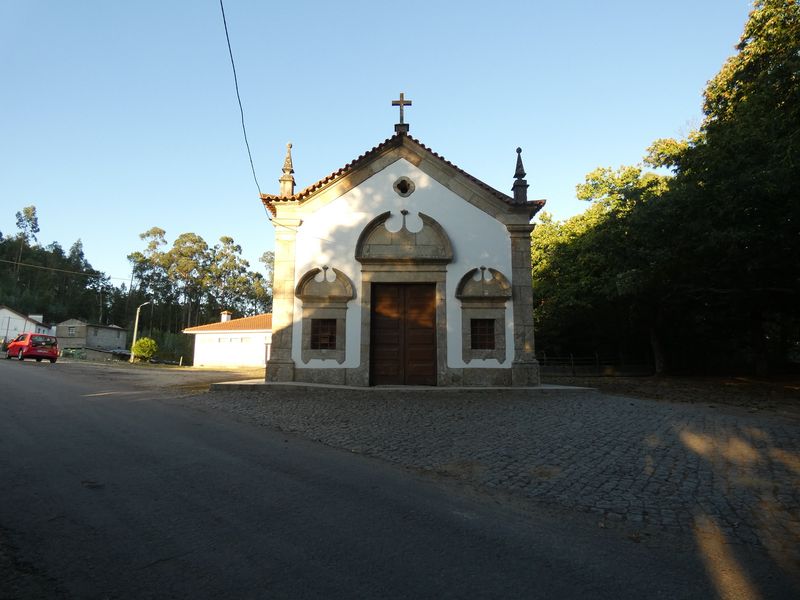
(403, 334)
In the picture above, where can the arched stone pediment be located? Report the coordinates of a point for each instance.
(334, 287)
(483, 293)
(491, 285)
(376, 244)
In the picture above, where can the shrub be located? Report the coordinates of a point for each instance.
(145, 348)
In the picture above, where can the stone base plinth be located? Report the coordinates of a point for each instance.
(279, 371)
(525, 374)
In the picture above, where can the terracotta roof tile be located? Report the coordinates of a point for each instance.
(395, 140)
(253, 323)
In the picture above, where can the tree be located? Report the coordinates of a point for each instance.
(28, 225)
(737, 182)
(76, 257)
(187, 268)
(189, 283)
(227, 282)
(48, 281)
(594, 274)
(150, 280)
(706, 259)
(268, 259)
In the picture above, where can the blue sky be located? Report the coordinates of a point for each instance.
(119, 116)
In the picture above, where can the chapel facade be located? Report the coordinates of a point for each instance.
(402, 269)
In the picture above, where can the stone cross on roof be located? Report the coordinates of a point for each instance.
(402, 102)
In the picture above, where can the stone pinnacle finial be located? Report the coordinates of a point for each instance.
(520, 187)
(287, 179)
(287, 164)
(520, 172)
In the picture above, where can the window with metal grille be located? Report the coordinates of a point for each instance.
(482, 334)
(323, 334)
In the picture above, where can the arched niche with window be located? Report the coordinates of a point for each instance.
(325, 293)
(483, 293)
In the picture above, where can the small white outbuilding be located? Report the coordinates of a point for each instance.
(12, 323)
(241, 342)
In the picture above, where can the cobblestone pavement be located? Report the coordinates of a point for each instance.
(721, 472)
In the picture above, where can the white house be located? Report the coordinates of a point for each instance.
(402, 269)
(13, 323)
(241, 342)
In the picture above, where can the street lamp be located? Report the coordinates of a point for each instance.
(136, 327)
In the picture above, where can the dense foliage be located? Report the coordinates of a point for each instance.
(46, 280)
(190, 283)
(698, 269)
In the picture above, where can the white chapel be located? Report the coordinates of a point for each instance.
(402, 269)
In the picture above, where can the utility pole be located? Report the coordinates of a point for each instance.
(8, 326)
(136, 327)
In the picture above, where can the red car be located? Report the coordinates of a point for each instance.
(34, 345)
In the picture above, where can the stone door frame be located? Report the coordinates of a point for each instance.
(402, 274)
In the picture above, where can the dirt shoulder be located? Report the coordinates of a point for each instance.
(769, 395)
(162, 377)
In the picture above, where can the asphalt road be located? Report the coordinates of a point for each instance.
(109, 490)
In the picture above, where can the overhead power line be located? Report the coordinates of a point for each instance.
(244, 128)
(98, 275)
(239, 98)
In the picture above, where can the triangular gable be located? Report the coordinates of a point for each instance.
(71, 322)
(21, 316)
(402, 145)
